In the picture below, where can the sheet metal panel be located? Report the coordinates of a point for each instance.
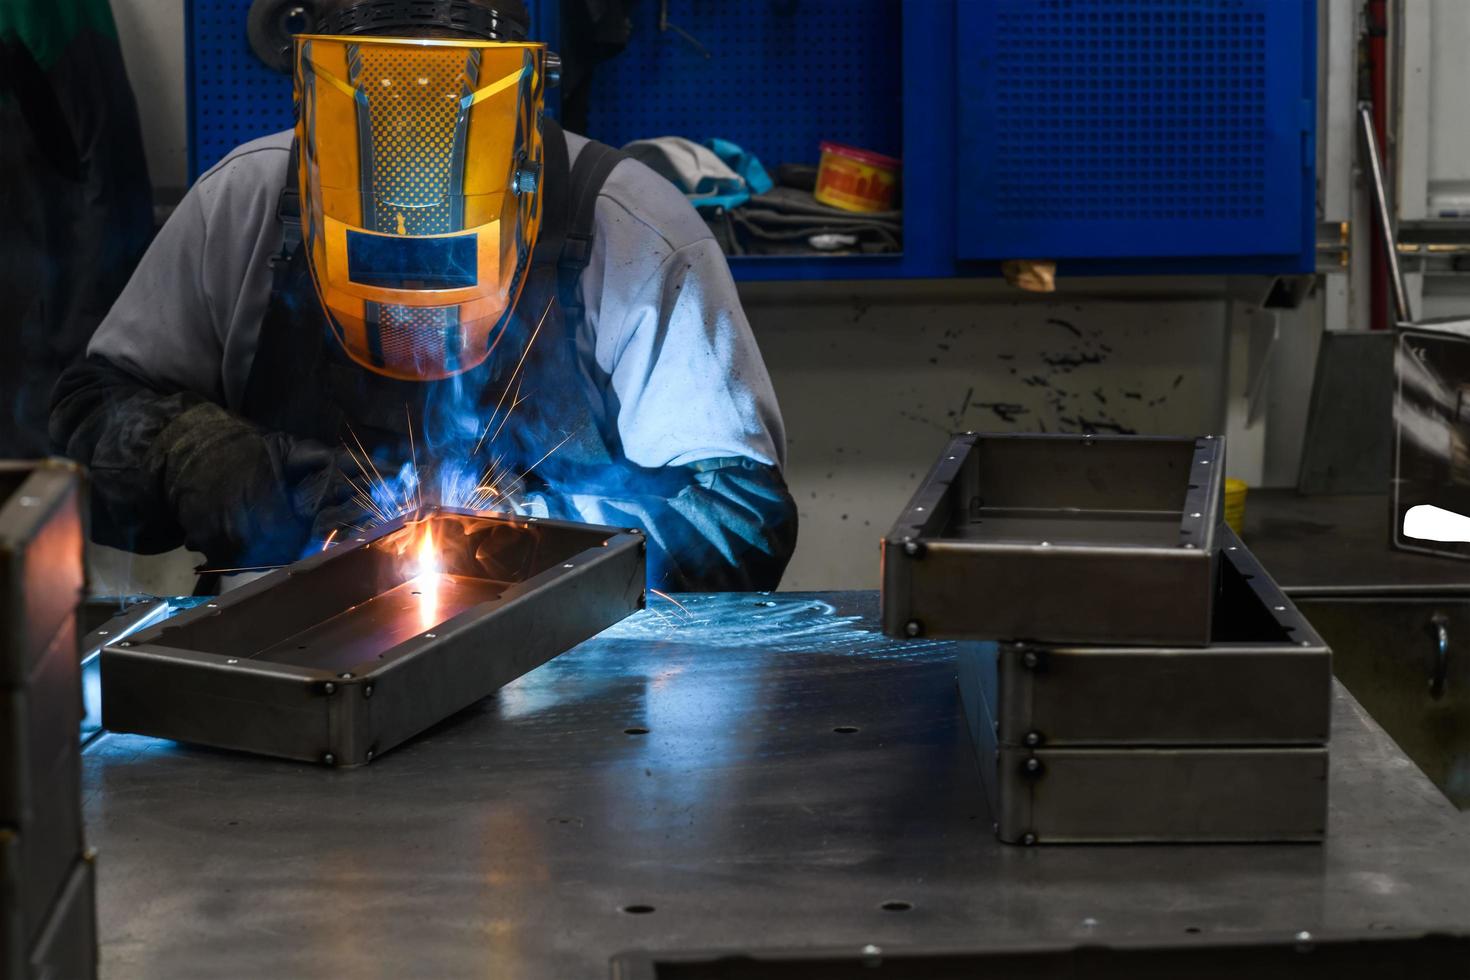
(510, 839)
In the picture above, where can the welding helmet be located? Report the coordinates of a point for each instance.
(420, 173)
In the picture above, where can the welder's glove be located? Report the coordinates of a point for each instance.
(325, 491)
(719, 525)
(172, 468)
(244, 496)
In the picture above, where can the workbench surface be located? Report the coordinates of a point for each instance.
(508, 840)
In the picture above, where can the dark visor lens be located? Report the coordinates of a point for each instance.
(411, 263)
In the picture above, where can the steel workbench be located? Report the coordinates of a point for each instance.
(756, 772)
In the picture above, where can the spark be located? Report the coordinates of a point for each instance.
(662, 618)
(331, 536)
(384, 499)
(207, 570)
(374, 482)
(417, 482)
(519, 481)
(682, 608)
(513, 376)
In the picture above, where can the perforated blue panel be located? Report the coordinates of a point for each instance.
(233, 96)
(1120, 136)
(1134, 128)
(782, 76)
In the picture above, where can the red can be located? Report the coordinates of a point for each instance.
(856, 180)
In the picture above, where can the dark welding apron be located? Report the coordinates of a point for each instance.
(302, 383)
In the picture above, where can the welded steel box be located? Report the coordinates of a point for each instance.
(1226, 742)
(42, 530)
(41, 576)
(1062, 538)
(342, 656)
(64, 943)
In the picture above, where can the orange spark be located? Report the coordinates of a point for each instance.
(664, 595)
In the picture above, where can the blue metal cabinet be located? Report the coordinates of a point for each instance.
(1117, 136)
(1135, 129)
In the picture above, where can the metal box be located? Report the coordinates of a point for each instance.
(41, 578)
(41, 784)
(64, 944)
(42, 533)
(1074, 539)
(1221, 743)
(342, 656)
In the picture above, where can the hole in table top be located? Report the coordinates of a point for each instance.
(635, 731)
(846, 729)
(1192, 930)
(637, 909)
(896, 906)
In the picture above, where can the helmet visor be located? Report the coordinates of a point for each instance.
(420, 163)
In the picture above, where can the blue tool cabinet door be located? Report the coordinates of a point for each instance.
(1109, 129)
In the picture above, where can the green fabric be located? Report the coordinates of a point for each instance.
(47, 27)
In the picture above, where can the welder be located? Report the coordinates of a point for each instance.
(424, 265)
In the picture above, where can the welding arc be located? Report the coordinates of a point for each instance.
(373, 487)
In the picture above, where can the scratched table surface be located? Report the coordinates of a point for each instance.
(748, 772)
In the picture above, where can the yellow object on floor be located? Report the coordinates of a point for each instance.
(1032, 275)
(1235, 491)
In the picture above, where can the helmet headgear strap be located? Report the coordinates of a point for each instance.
(409, 16)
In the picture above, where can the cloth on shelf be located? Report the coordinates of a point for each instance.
(749, 214)
(715, 174)
(787, 221)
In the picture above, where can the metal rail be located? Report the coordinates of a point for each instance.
(1388, 239)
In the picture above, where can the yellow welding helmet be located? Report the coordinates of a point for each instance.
(420, 192)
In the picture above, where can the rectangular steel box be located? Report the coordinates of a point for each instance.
(64, 945)
(340, 657)
(41, 577)
(42, 532)
(1221, 743)
(1071, 539)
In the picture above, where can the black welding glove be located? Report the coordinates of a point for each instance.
(171, 468)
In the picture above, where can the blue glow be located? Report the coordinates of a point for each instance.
(92, 658)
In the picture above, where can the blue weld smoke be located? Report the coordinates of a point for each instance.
(446, 462)
(442, 468)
